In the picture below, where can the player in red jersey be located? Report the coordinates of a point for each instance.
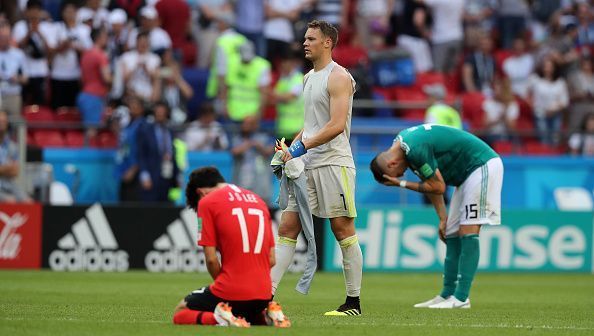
(236, 222)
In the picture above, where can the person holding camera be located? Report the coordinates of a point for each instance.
(34, 36)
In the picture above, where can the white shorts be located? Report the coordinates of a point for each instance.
(477, 201)
(331, 191)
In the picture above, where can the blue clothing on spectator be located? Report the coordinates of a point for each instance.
(155, 143)
(91, 108)
(127, 155)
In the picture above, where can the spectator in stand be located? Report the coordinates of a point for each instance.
(582, 142)
(438, 111)
(175, 91)
(548, 97)
(250, 23)
(156, 157)
(560, 45)
(175, 20)
(34, 36)
(13, 74)
(478, 71)
(288, 97)
(519, 67)
(210, 12)
(10, 191)
(10, 11)
(478, 19)
(159, 40)
(118, 34)
(247, 85)
(278, 28)
(414, 34)
(72, 39)
(99, 13)
(372, 20)
(127, 154)
(541, 13)
(131, 7)
(581, 88)
(446, 33)
(225, 57)
(334, 12)
(96, 79)
(206, 134)
(501, 112)
(512, 20)
(251, 152)
(140, 70)
(585, 27)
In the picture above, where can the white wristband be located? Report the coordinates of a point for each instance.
(402, 184)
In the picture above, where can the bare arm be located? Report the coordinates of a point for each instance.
(272, 257)
(212, 261)
(440, 208)
(340, 89)
(433, 185)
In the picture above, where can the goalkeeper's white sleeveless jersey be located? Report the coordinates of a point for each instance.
(337, 152)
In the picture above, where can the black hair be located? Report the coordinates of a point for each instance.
(205, 177)
(95, 33)
(378, 174)
(163, 104)
(141, 34)
(34, 4)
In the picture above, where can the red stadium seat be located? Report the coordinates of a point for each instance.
(49, 138)
(429, 78)
(349, 56)
(37, 113)
(404, 94)
(71, 115)
(106, 139)
(472, 109)
(503, 147)
(74, 139)
(537, 148)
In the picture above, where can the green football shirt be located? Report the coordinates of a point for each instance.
(456, 153)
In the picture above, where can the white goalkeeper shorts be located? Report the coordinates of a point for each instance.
(331, 191)
(477, 201)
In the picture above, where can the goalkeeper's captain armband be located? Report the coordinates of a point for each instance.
(297, 149)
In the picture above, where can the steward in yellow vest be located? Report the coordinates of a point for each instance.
(247, 84)
(288, 96)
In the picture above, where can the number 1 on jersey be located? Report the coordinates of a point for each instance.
(243, 228)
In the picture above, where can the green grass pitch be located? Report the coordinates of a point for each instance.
(140, 303)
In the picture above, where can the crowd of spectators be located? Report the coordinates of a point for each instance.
(118, 66)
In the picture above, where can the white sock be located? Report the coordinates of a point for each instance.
(284, 252)
(352, 264)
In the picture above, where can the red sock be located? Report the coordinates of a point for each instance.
(188, 316)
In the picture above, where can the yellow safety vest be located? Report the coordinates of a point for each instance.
(444, 115)
(229, 43)
(243, 93)
(289, 116)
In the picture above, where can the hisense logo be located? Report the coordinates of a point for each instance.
(90, 246)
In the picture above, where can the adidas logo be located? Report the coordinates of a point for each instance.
(176, 249)
(90, 246)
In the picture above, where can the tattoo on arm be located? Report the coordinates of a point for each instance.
(421, 187)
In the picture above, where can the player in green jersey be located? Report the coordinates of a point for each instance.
(442, 156)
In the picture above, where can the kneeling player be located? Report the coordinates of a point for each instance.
(236, 222)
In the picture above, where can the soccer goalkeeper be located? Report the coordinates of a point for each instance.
(441, 156)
